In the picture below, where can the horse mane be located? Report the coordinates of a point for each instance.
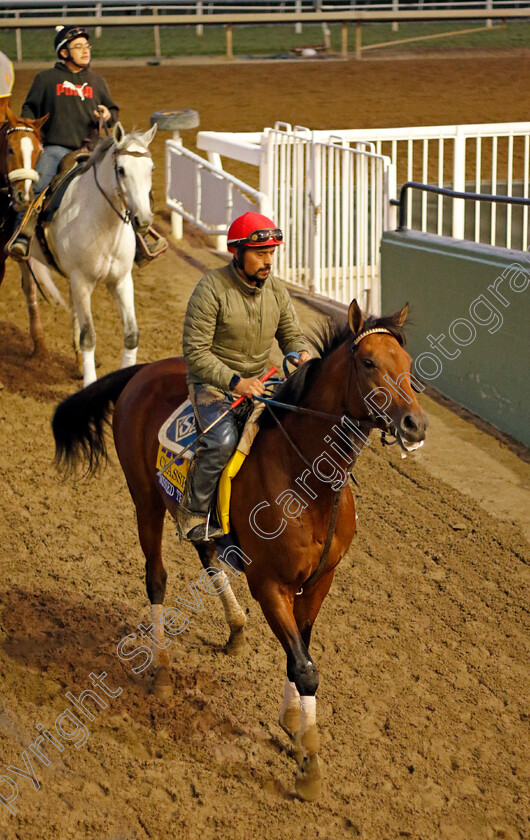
(325, 338)
(102, 147)
(104, 144)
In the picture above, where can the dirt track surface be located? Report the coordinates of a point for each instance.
(422, 643)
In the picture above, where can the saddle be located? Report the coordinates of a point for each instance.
(176, 439)
(51, 197)
(69, 169)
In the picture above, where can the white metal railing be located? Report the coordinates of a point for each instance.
(204, 194)
(486, 158)
(330, 192)
(331, 200)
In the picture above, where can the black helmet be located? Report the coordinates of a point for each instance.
(65, 34)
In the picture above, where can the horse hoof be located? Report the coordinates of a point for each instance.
(237, 644)
(162, 687)
(309, 779)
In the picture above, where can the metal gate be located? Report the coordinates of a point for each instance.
(331, 199)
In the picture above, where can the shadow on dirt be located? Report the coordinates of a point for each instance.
(41, 377)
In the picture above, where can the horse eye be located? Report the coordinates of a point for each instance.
(367, 363)
(121, 170)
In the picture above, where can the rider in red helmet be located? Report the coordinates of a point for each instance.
(232, 319)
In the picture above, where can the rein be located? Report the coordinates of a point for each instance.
(126, 217)
(317, 574)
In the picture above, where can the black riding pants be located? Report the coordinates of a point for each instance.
(215, 448)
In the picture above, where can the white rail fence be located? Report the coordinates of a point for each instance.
(485, 158)
(331, 200)
(330, 192)
(200, 192)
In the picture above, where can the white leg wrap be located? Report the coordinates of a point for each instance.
(308, 712)
(129, 357)
(89, 368)
(233, 613)
(161, 657)
(291, 698)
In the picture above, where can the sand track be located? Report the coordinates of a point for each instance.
(422, 643)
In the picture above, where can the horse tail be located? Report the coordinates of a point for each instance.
(79, 421)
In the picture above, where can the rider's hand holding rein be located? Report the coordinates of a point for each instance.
(304, 357)
(255, 388)
(249, 388)
(102, 111)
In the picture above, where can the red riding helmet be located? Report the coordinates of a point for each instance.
(253, 231)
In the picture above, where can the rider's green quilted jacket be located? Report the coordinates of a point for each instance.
(230, 327)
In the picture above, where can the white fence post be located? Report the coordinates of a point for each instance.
(459, 182)
(298, 9)
(176, 219)
(315, 219)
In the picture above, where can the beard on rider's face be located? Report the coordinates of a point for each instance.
(259, 276)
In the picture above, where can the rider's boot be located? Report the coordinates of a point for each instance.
(18, 245)
(149, 245)
(194, 525)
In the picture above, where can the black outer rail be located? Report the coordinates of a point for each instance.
(416, 185)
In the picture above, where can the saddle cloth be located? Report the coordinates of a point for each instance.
(174, 457)
(69, 169)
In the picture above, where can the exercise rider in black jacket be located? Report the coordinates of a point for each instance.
(75, 99)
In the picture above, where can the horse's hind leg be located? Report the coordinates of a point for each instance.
(235, 617)
(76, 341)
(81, 291)
(35, 324)
(150, 516)
(123, 293)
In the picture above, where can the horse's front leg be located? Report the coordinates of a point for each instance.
(123, 293)
(35, 324)
(150, 514)
(278, 605)
(81, 291)
(234, 615)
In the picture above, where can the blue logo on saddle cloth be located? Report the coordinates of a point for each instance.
(177, 435)
(179, 430)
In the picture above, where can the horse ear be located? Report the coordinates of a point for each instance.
(11, 116)
(118, 133)
(40, 122)
(148, 135)
(355, 317)
(400, 317)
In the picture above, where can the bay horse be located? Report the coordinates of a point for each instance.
(92, 239)
(292, 510)
(20, 149)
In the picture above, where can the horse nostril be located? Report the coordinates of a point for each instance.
(410, 424)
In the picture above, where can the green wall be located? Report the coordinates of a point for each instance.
(477, 298)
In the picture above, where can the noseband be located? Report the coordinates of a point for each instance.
(23, 174)
(389, 428)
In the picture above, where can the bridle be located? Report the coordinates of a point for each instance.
(374, 418)
(126, 215)
(23, 174)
